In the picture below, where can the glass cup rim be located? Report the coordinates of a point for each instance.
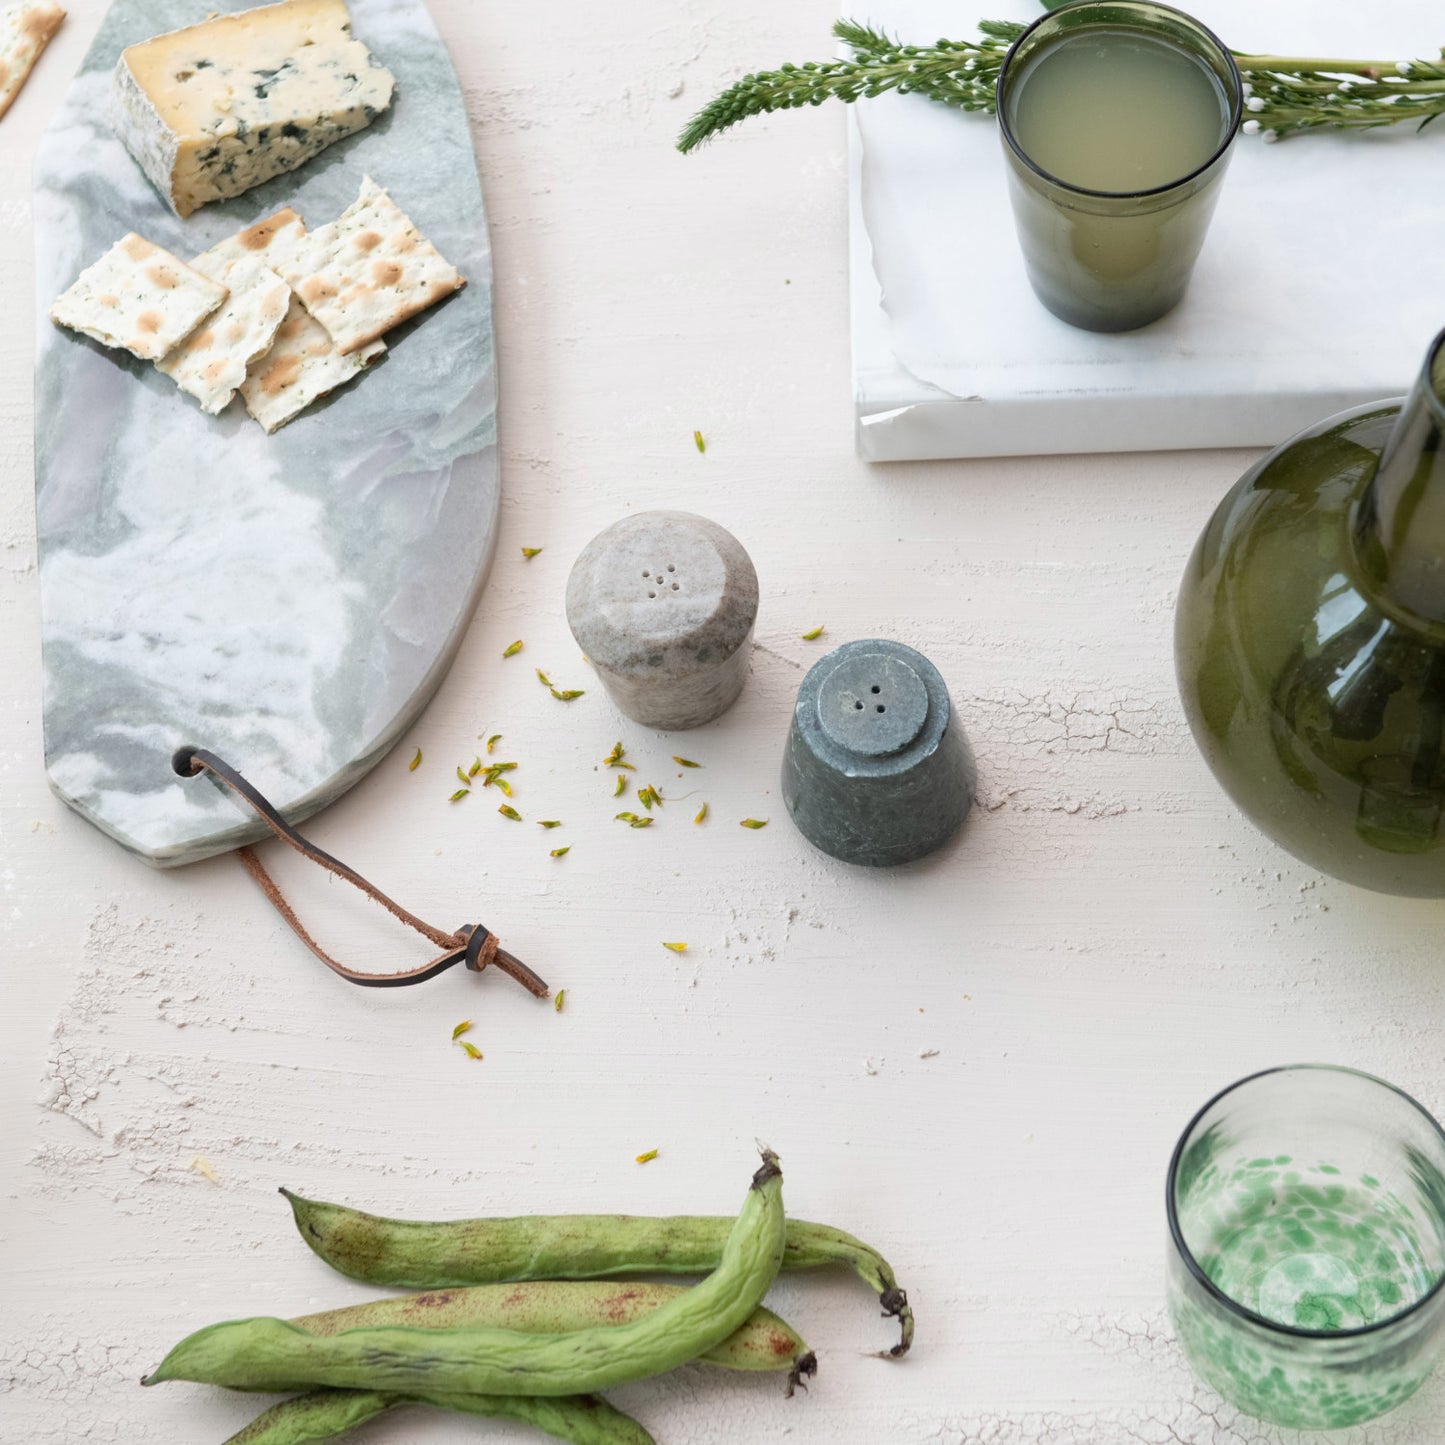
(1236, 109)
(1234, 1307)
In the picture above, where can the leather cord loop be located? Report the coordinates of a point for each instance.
(471, 944)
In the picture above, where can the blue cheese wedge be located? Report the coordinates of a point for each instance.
(212, 110)
(139, 298)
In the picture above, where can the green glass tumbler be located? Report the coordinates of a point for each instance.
(1117, 118)
(1306, 1277)
(1310, 642)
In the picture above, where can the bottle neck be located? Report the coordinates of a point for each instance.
(1400, 523)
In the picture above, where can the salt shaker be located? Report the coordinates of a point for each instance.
(877, 769)
(663, 605)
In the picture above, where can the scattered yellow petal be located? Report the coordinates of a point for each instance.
(755, 822)
(461, 1028)
(614, 758)
(561, 852)
(507, 811)
(503, 786)
(475, 768)
(557, 1002)
(685, 762)
(641, 823)
(648, 1157)
(701, 814)
(698, 441)
(568, 695)
(472, 1051)
(676, 947)
(493, 741)
(624, 817)
(530, 552)
(415, 763)
(549, 822)
(813, 635)
(460, 793)
(466, 781)
(513, 649)
(542, 677)
(621, 785)
(203, 1167)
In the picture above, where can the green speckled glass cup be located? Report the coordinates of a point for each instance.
(1117, 119)
(1307, 1269)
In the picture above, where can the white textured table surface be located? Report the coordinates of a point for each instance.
(1106, 945)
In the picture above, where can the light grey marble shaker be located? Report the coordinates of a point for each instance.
(877, 769)
(663, 605)
(288, 602)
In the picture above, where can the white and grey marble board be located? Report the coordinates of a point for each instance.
(288, 602)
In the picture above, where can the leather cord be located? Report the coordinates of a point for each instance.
(471, 944)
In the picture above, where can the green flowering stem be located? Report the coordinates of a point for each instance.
(1284, 94)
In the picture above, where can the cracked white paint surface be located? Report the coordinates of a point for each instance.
(980, 1062)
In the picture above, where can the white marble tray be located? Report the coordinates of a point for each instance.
(1321, 281)
(289, 602)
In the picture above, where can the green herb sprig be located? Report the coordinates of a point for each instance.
(1284, 94)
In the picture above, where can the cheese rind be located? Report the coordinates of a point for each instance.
(217, 108)
(139, 298)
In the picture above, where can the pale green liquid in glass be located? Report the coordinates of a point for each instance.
(1309, 1250)
(1114, 110)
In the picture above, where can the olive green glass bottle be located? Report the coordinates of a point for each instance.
(1310, 642)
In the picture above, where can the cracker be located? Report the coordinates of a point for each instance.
(368, 271)
(211, 362)
(139, 298)
(302, 366)
(25, 31)
(268, 241)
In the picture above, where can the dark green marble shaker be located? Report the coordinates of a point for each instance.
(877, 770)
(1310, 641)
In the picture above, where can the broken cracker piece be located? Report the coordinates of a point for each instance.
(25, 31)
(211, 363)
(302, 366)
(139, 298)
(267, 241)
(368, 271)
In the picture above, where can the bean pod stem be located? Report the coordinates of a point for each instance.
(327, 1414)
(273, 1354)
(416, 1254)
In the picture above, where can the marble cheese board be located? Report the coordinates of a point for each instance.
(288, 602)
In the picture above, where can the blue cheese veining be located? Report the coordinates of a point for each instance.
(212, 110)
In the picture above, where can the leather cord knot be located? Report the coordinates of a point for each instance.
(471, 944)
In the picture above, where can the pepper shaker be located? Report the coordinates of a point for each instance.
(663, 605)
(877, 769)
